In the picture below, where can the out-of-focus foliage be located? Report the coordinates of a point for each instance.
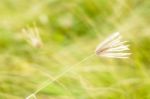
(70, 30)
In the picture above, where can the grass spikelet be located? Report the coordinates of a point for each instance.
(32, 36)
(113, 47)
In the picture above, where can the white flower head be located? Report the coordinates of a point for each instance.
(32, 36)
(113, 47)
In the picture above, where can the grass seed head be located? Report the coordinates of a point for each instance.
(113, 47)
(32, 36)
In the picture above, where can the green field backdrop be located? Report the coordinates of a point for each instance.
(70, 31)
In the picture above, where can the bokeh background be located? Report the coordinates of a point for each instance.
(70, 31)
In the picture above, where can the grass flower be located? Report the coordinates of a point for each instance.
(113, 47)
(32, 36)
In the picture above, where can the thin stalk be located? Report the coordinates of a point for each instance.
(48, 82)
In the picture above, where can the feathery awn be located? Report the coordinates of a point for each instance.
(113, 47)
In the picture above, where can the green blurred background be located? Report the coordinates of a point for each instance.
(70, 30)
